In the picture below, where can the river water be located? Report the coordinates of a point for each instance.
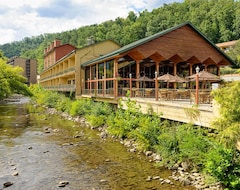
(41, 152)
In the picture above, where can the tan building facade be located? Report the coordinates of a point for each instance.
(29, 66)
(66, 74)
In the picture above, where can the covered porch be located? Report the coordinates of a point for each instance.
(134, 70)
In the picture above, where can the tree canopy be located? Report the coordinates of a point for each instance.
(218, 20)
(11, 80)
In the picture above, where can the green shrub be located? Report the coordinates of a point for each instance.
(193, 145)
(64, 104)
(81, 107)
(96, 121)
(224, 165)
(146, 134)
(51, 99)
(167, 147)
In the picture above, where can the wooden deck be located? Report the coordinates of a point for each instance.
(182, 110)
(179, 110)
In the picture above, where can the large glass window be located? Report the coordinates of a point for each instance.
(109, 69)
(87, 73)
(100, 70)
(93, 72)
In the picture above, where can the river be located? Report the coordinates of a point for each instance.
(39, 151)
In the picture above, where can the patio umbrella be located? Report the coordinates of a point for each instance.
(167, 78)
(204, 76)
(144, 79)
(171, 78)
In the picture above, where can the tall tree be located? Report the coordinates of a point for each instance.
(11, 80)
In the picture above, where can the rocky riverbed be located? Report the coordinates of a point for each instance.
(180, 172)
(41, 150)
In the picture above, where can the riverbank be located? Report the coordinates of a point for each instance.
(180, 172)
(40, 150)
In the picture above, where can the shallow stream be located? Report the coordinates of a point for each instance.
(40, 152)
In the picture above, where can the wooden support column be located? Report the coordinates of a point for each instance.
(156, 82)
(137, 71)
(205, 67)
(96, 81)
(89, 84)
(190, 69)
(157, 68)
(175, 73)
(190, 73)
(104, 79)
(115, 86)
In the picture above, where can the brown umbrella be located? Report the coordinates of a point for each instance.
(144, 79)
(167, 78)
(204, 76)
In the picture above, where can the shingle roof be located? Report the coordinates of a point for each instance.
(148, 39)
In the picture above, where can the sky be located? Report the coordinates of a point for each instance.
(28, 18)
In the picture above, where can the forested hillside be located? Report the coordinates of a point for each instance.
(219, 20)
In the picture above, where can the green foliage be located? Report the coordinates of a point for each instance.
(12, 80)
(124, 121)
(167, 146)
(51, 99)
(63, 104)
(183, 143)
(193, 145)
(224, 165)
(228, 124)
(99, 113)
(81, 107)
(96, 121)
(229, 70)
(193, 112)
(147, 132)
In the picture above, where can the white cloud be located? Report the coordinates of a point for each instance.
(26, 18)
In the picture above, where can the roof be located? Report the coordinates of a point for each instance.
(227, 44)
(148, 39)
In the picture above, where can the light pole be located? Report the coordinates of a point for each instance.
(156, 86)
(197, 84)
(130, 76)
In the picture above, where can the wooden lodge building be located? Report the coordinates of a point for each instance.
(106, 72)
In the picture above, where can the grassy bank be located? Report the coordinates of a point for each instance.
(201, 148)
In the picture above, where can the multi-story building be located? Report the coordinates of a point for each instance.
(66, 74)
(29, 68)
(56, 51)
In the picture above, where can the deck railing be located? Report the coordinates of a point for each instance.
(187, 95)
(63, 88)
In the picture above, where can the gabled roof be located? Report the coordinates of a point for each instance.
(148, 39)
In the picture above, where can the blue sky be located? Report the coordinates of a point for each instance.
(27, 18)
